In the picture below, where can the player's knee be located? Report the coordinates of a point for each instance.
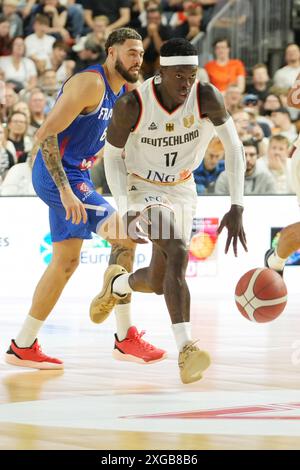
(177, 254)
(156, 286)
(67, 264)
(176, 250)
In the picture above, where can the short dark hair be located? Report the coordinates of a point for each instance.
(251, 143)
(59, 44)
(42, 19)
(221, 39)
(177, 46)
(119, 36)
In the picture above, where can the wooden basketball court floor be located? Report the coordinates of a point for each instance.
(248, 399)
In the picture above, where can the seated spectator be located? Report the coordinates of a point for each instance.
(136, 8)
(283, 124)
(261, 82)
(286, 76)
(57, 61)
(6, 157)
(224, 71)
(37, 105)
(99, 34)
(49, 86)
(5, 38)
(17, 129)
(154, 5)
(251, 106)
(233, 98)
(39, 44)
(153, 35)
(9, 10)
(17, 67)
(22, 107)
(88, 53)
(278, 163)
(192, 26)
(211, 166)
(118, 12)
(57, 15)
(242, 123)
(75, 18)
(18, 181)
(258, 180)
(249, 129)
(283, 95)
(271, 103)
(11, 98)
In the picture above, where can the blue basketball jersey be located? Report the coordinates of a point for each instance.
(78, 144)
(85, 136)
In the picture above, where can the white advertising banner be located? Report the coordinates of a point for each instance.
(25, 247)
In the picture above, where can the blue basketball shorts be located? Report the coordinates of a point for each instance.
(97, 208)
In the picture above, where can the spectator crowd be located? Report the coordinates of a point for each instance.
(44, 42)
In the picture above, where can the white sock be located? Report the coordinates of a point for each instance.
(123, 319)
(121, 285)
(275, 262)
(182, 333)
(28, 332)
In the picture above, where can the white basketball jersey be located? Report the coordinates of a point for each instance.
(165, 147)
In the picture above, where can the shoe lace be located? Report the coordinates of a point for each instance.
(137, 338)
(38, 349)
(191, 346)
(188, 348)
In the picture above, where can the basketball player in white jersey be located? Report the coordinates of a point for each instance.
(165, 127)
(289, 240)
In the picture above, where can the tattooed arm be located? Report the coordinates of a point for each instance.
(81, 94)
(51, 156)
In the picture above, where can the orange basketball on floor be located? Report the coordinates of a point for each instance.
(261, 295)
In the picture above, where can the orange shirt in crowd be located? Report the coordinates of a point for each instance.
(224, 75)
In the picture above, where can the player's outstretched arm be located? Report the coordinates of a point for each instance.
(212, 106)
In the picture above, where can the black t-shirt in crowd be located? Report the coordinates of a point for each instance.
(109, 8)
(165, 33)
(20, 150)
(40, 9)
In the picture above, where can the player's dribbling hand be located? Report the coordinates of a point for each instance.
(134, 231)
(233, 221)
(74, 208)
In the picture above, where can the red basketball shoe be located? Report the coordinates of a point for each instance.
(134, 349)
(31, 357)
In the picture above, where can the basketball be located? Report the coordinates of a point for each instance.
(261, 295)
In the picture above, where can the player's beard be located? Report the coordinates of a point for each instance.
(124, 72)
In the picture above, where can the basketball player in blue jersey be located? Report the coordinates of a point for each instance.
(73, 133)
(165, 126)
